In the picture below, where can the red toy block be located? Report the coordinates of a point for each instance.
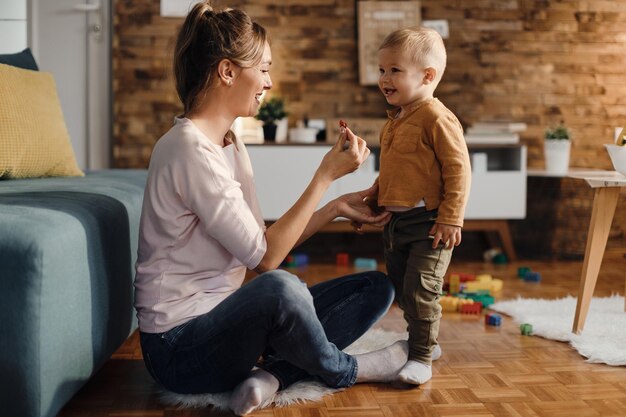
(343, 259)
(474, 308)
(468, 277)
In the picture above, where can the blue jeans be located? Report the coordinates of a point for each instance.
(300, 332)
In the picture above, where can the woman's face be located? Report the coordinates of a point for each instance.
(251, 83)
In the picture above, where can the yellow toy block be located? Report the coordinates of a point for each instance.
(449, 303)
(455, 283)
(473, 286)
(496, 285)
(484, 278)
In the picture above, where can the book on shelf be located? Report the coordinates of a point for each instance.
(492, 138)
(497, 127)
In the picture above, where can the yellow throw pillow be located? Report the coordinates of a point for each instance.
(33, 138)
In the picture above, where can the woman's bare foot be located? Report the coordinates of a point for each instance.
(382, 365)
(248, 395)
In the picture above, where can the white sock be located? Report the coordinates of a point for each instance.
(436, 353)
(248, 395)
(382, 365)
(415, 373)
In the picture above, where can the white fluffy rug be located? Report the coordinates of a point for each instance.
(603, 339)
(299, 392)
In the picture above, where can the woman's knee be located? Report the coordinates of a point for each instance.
(285, 286)
(382, 285)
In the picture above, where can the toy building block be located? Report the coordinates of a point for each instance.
(493, 319)
(468, 277)
(484, 278)
(496, 285)
(287, 262)
(343, 259)
(485, 299)
(527, 329)
(532, 276)
(474, 286)
(479, 297)
(500, 259)
(455, 283)
(365, 263)
(300, 259)
(473, 308)
(449, 303)
(522, 270)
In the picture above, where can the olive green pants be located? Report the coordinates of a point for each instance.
(417, 271)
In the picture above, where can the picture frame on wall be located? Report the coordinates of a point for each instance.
(376, 19)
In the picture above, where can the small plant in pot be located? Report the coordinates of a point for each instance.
(271, 111)
(556, 146)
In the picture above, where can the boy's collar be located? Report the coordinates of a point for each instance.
(409, 108)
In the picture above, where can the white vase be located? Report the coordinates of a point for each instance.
(556, 152)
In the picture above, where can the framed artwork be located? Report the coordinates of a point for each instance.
(376, 19)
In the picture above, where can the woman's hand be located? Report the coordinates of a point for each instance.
(339, 161)
(358, 207)
(445, 234)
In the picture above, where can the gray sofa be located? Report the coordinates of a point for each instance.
(67, 253)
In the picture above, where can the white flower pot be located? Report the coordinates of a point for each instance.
(556, 152)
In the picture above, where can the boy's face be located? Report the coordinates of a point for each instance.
(401, 80)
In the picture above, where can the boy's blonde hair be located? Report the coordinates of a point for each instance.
(424, 46)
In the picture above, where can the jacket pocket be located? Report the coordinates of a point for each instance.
(405, 143)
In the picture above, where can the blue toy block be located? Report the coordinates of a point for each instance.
(366, 263)
(532, 276)
(494, 320)
(300, 259)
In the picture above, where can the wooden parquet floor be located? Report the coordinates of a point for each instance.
(484, 371)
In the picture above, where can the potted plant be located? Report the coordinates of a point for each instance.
(270, 112)
(556, 147)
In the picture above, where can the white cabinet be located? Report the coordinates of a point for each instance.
(499, 191)
(282, 172)
(13, 26)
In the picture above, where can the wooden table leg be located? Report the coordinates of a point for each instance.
(604, 203)
(501, 227)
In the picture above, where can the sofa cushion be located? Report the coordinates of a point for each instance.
(67, 252)
(33, 137)
(24, 59)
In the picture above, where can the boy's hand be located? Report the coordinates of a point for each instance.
(445, 234)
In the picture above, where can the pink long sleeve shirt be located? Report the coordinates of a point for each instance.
(201, 226)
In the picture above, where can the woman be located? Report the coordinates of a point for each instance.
(201, 226)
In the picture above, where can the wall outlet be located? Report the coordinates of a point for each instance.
(441, 26)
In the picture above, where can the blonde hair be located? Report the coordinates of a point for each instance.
(425, 47)
(207, 37)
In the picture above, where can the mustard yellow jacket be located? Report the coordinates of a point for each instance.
(424, 156)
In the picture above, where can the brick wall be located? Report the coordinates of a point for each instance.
(536, 61)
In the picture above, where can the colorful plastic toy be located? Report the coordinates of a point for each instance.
(532, 276)
(522, 271)
(500, 259)
(449, 303)
(493, 319)
(296, 260)
(473, 308)
(526, 328)
(365, 263)
(343, 259)
(455, 283)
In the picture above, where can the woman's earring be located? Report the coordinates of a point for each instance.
(230, 82)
